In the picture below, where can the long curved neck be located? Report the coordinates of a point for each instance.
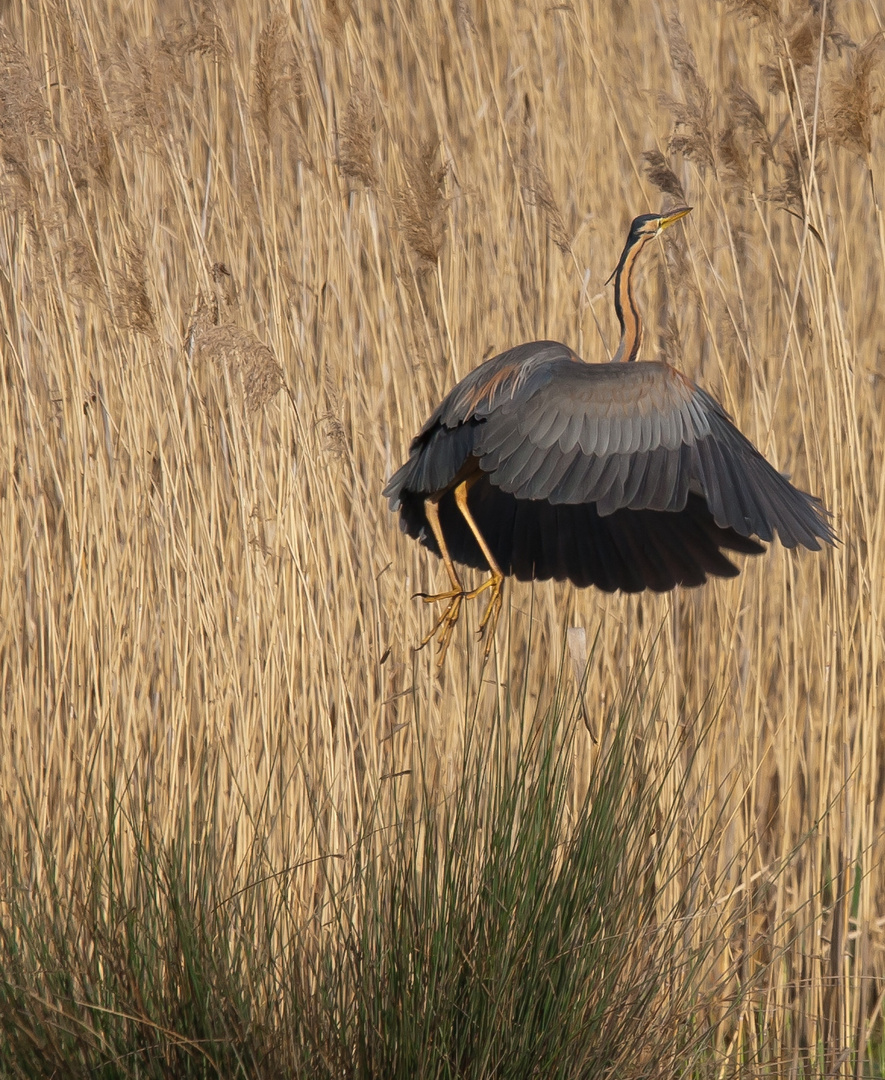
(625, 304)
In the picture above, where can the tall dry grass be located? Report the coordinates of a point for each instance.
(243, 254)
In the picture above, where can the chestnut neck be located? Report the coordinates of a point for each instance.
(625, 304)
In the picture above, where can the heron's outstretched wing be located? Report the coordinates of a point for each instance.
(636, 436)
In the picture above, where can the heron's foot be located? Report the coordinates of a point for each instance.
(489, 622)
(445, 624)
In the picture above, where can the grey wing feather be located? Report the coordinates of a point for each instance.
(605, 412)
(637, 436)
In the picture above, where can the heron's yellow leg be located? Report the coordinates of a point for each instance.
(456, 594)
(489, 620)
(445, 624)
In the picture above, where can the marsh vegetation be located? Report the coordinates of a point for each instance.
(245, 830)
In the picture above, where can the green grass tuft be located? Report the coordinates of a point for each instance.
(510, 928)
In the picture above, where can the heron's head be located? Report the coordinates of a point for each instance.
(644, 228)
(649, 225)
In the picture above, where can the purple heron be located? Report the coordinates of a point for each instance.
(620, 475)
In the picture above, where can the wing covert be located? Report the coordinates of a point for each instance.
(445, 443)
(606, 433)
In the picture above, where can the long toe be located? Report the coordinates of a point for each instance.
(448, 622)
(449, 616)
(489, 622)
(444, 625)
(434, 598)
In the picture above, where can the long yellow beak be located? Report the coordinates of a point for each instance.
(667, 221)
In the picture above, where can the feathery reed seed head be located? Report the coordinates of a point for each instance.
(662, 176)
(854, 101)
(421, 201)
(355, 138)
(241, 353)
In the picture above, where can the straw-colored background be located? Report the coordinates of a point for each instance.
(199, 575)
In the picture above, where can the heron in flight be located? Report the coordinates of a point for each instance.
(620, 475)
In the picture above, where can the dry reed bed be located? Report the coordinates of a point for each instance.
(199, 576)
